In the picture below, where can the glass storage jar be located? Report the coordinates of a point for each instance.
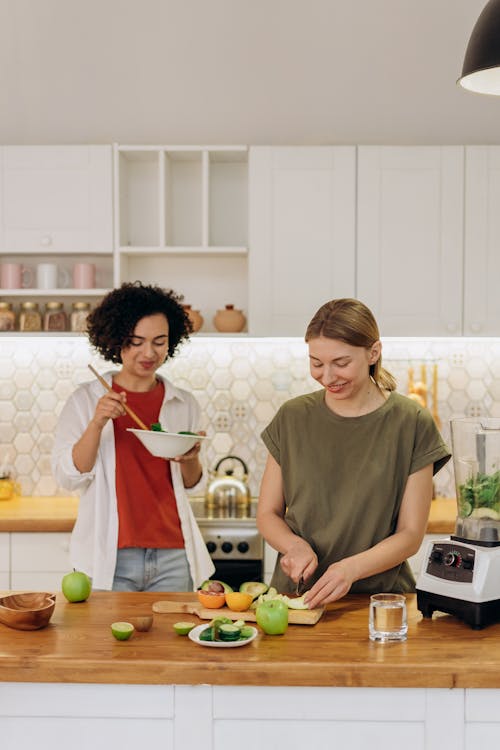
(79, 314)
(54, 318)
(7, 317)
(30, 318)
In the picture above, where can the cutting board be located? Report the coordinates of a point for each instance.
(295, 616)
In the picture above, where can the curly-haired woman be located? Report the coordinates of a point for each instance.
(135, 529)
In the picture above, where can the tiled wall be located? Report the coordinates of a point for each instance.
(239, 382)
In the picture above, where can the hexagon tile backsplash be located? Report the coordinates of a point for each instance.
(239, 382)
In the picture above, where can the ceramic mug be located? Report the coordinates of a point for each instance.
(84, 276)
(15, 276)
(49, 276)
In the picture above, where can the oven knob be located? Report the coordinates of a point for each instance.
(226, 547)
(242, 546)
(211, 547)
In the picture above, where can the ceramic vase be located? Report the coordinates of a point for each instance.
(195, 317)
(229, 320)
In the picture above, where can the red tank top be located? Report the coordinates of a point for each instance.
(147, 510)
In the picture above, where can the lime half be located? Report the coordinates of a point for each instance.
(122, 630)
(183, 628)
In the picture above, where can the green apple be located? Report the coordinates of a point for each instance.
(76, 586)
(272, 616)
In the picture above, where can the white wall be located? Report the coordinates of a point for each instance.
(239, 71)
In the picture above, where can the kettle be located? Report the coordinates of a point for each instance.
(226, 490)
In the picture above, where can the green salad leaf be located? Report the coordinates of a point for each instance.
(480, 491)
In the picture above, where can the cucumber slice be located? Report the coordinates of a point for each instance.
(246, 632)
(207, 635)
(156, 427)
(229, 632)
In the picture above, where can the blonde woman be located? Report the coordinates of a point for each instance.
(347, 486)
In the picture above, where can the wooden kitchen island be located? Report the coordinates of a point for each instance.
(307, 687)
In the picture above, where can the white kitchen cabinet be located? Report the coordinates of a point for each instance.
(410, 238)
(181, 220)
(482, 241)
(39, 560)
(4, 561)
(56, 207)
(301, 234)
(56, 199)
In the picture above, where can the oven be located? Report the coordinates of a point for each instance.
(233, 541)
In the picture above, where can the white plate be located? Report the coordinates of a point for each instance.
(194, 634)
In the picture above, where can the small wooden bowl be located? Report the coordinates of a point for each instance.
(29, 611)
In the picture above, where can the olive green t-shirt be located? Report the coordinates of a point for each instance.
(344, 477)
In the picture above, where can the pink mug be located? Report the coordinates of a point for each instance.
(84, 276)
(15, 276)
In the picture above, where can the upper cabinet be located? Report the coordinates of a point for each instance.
(410, 238)
(181, 221)
(56, 199)
(301, 234)
(482, 241)
(56, 207)
(414, 232)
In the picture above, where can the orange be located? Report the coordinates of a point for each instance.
(210, 599)
(238, 601)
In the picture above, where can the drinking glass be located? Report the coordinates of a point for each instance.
(387, 620)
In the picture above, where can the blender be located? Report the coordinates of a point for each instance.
(461, 573)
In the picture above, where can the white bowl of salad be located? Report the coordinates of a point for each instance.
(166, 444)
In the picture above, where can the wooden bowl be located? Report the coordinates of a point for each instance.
(29, 611)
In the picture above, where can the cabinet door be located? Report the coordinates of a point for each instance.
(410, 238)
(301, 234)
(39, 560)
(482, 241)
(56, 199)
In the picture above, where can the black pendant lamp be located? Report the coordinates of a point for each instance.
(481, 69)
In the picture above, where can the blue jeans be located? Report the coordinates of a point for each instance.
(140, 569)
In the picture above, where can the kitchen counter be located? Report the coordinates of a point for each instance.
(38, 514)
(73, 679)
(78, 647)
(59, 514)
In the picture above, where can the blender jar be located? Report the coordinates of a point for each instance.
(476, 461)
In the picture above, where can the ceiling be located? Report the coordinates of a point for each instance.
(239, 72)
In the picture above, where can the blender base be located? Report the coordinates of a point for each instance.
(476, 614)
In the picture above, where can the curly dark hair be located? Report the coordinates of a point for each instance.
(111, 324)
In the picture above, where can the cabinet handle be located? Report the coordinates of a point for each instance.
(476, 327)
(46, 240)
(451, 327)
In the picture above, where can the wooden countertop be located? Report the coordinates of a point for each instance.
(59, 514)
(38, 514)
(77, 646)
(442, 516)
